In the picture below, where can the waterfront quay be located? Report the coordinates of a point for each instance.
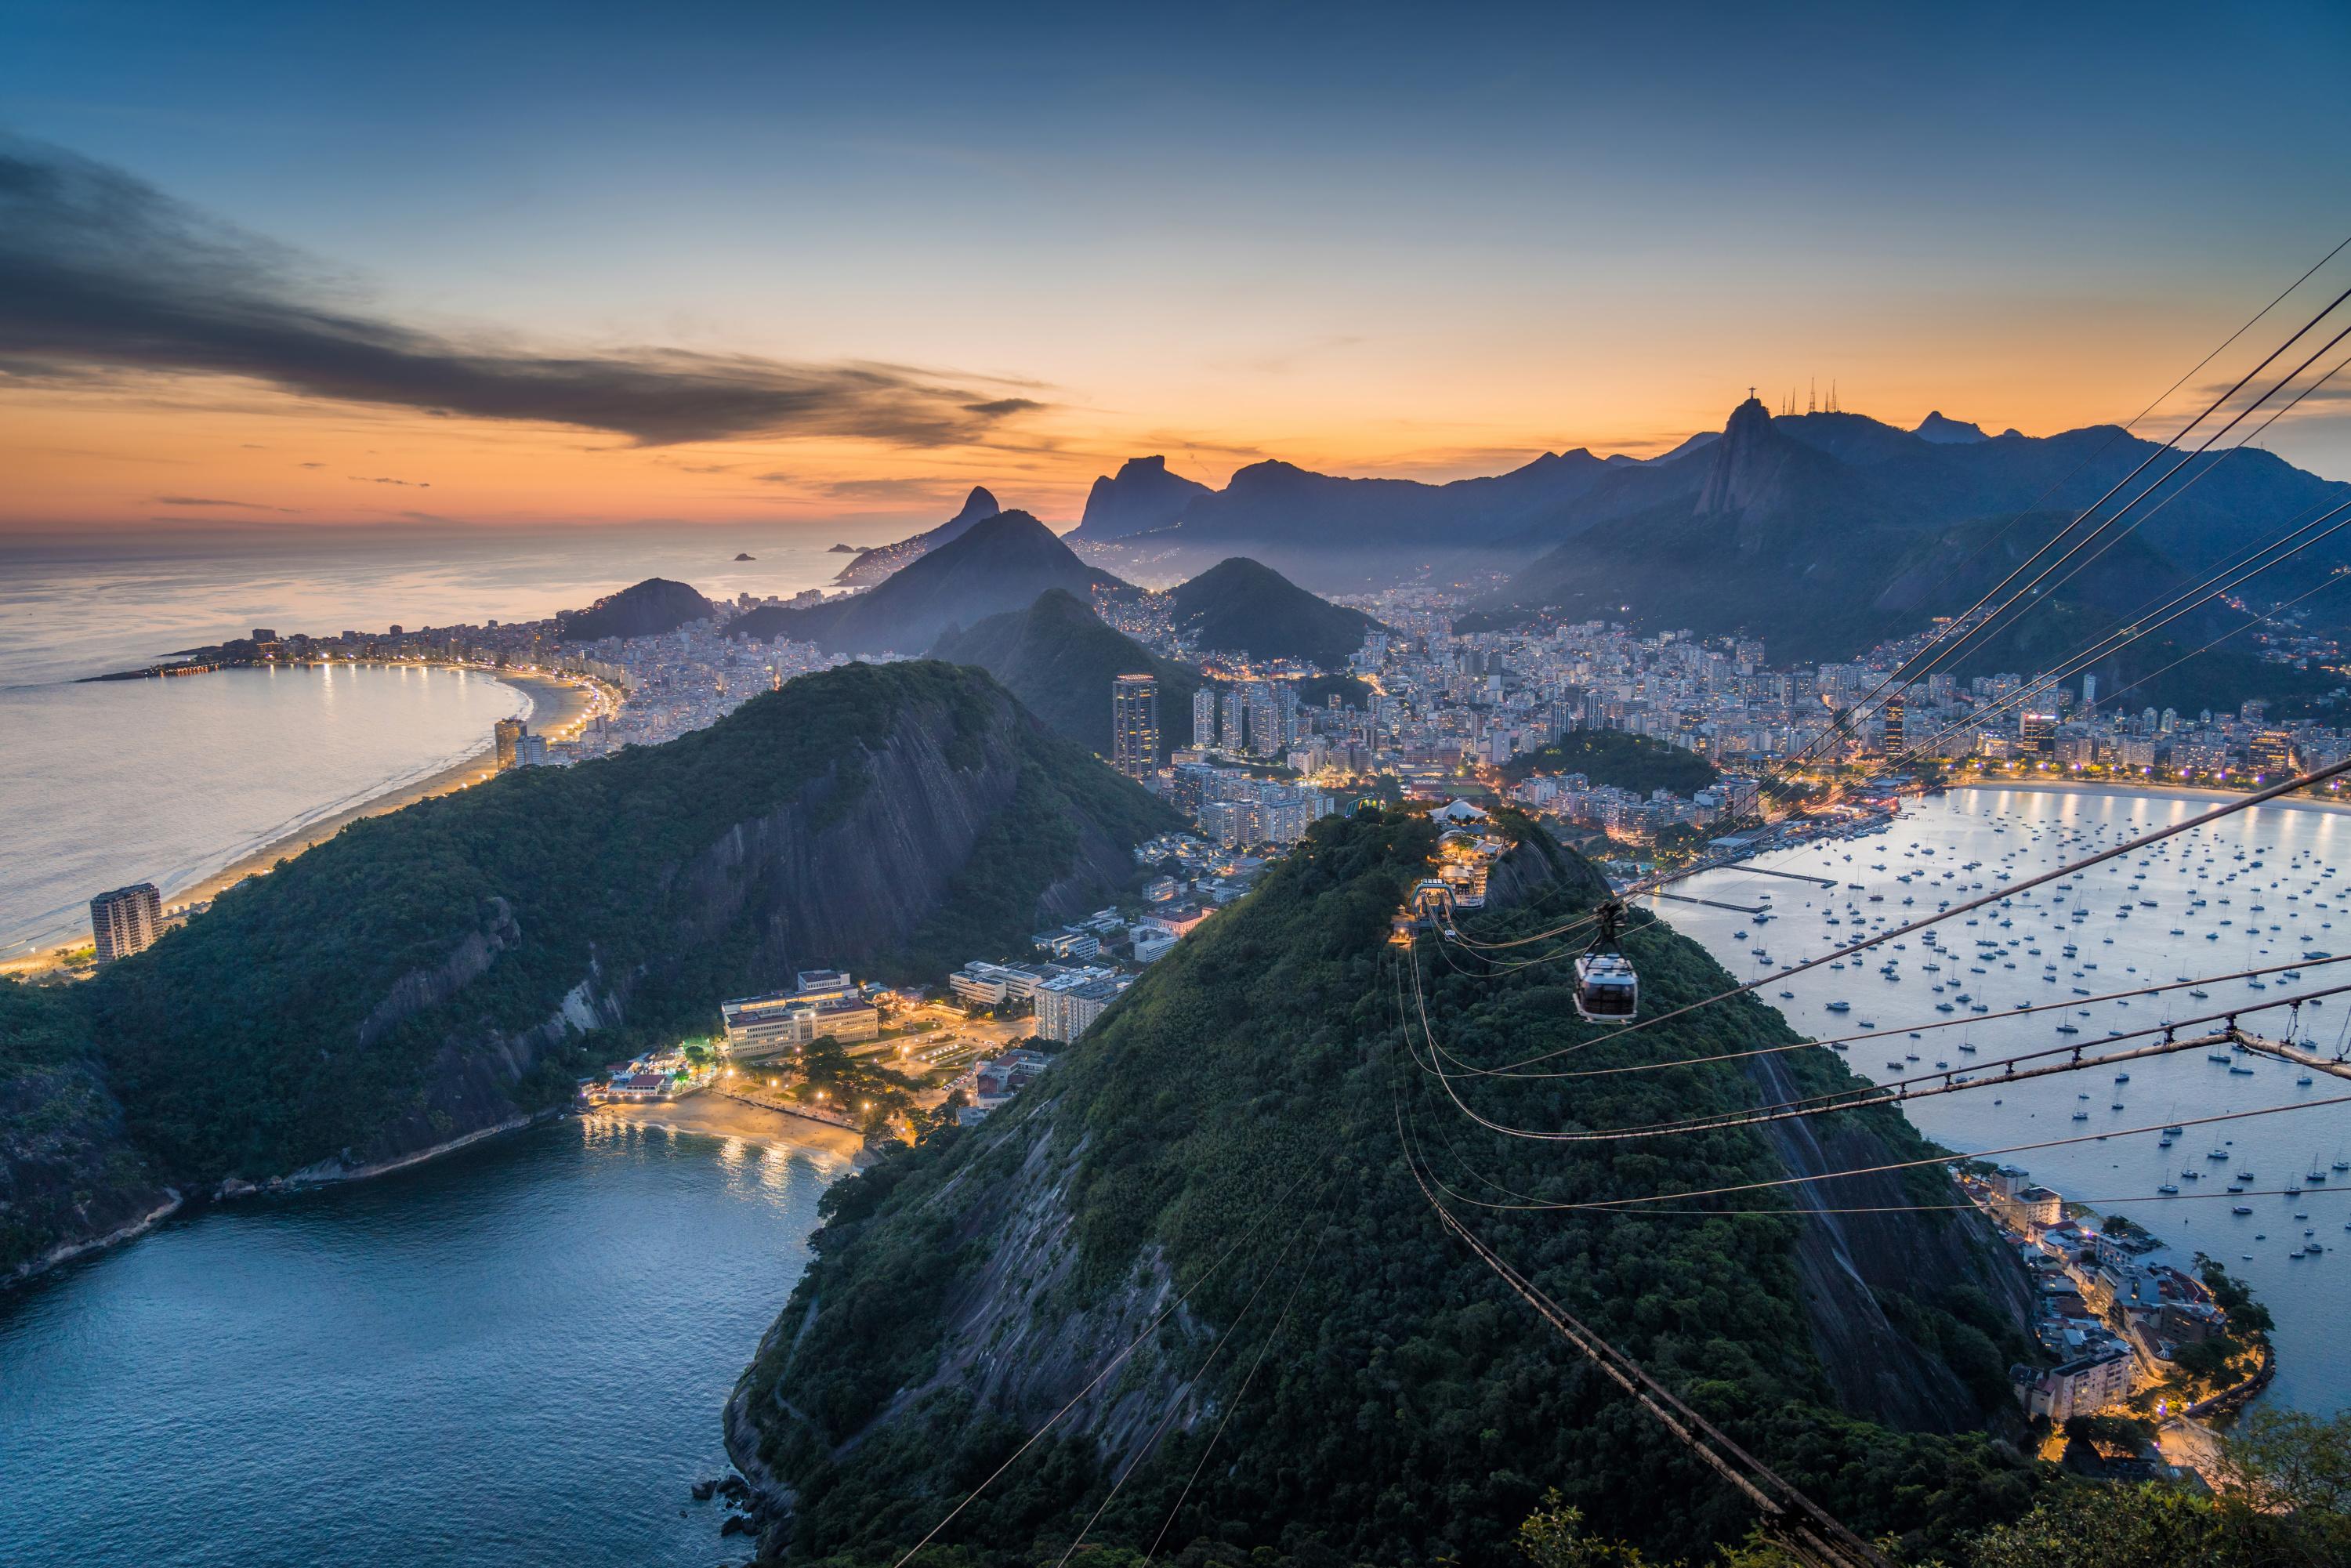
(2149, 1344)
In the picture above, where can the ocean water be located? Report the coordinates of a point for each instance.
(104, 784)
(167, 781)
(2274, 912)
(518, 1354)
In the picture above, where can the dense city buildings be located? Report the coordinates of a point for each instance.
(126, 921)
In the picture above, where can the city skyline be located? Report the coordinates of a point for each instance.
(775, 269)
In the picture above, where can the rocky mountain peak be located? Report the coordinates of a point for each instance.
(1949, 431)
(977, 506)
(1744, 461)
(1143, 496)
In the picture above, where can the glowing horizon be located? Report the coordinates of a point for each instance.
(774, 272)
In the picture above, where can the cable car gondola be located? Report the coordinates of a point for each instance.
(1607, 988)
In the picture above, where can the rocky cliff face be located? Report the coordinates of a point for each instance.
(839, 876)
(69, 1178)
(1849, 1264)
(1141, 497)
(1752, 467)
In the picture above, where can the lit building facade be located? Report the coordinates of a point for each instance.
(126, 921)
(1134, 725)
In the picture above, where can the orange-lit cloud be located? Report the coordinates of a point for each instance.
(156, 364)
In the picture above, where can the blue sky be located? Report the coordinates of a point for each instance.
(1378, 239)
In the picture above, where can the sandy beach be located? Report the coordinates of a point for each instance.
(717, 1117)
(557, 708)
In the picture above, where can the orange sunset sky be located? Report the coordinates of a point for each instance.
(841, 273)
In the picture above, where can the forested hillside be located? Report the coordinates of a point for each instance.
(1239, 604)
(1225, 1148)
(433, 972)
(1618, 757)
(67, 1173)
(1059, 658)
(642, 609)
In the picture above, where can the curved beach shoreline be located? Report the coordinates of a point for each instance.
(557, 705)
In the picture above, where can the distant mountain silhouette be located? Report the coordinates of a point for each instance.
(872, 566)
(1240, 604)
(1327, 530)
(1142, 496)
(1824, 532)
(1059, 658)
(999, 563)
(647, 609)
(1816, 529)
(1948, 432)
(1682, 448)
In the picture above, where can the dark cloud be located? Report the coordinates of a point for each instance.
(2322, 388)
(944, 489)
(412, 484)
(101, 273)
(214, 501)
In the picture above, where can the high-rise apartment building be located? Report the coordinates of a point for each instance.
(508, 733)
(2036, 732)
(126, 921)
(1236, 705)
(2271, 753)
(1204, 717)
(1134, 725)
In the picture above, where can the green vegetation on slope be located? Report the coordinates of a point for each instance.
(1617, 757)
(244, 1042)
(66, 1173)
(1059, 658)
(1245, 1094)
(1237, 604)
(2285, 1501)
(642, 609)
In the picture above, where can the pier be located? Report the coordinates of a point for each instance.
(1714, 903)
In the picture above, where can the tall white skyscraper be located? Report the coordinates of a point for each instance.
(1236, 705)
(1204, 717)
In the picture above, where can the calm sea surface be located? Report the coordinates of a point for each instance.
(2270, 893)
(168, 781)
(514, 1355)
